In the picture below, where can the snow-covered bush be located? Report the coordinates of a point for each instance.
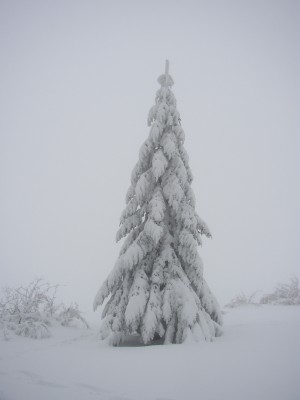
(285, 293)
(241, 300)
(69, 314)
(23, 309)
(29, 311)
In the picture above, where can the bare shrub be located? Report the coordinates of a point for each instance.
(285, 293)
(242, 299)
(30, 310)
(69, 314)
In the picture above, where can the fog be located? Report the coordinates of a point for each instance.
(77, 81)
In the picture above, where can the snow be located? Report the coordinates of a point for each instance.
(257, 358)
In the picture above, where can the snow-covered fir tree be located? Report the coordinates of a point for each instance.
(156, 288)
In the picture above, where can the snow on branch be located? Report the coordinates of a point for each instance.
(169, 144)
(165, 80)
(179, 132)
(138, 297)
(156, 132)
(202, 227)
(130, 209)
(173, 192)
(159, 164)
(133, 255)
(153, 230)
(142, 187)
(152, 318)
(145, 152)
(157, 206)
(128, 224)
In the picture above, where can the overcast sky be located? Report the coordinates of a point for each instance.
(77, 79)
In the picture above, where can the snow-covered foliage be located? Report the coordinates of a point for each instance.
(242, 300)
(29, 311)
(285, 293)
(156, 288)
(69, 314)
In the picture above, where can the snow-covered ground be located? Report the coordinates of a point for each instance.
(257, 358)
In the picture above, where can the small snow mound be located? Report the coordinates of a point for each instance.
(165, 80)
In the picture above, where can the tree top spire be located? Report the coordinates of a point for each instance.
(166, 79)
(167, 68)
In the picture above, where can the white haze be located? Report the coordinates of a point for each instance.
(77, 80)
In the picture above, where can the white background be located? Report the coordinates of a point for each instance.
(77, 80)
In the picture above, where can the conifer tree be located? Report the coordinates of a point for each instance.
(156, 288)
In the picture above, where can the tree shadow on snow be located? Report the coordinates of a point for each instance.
(136, 341)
